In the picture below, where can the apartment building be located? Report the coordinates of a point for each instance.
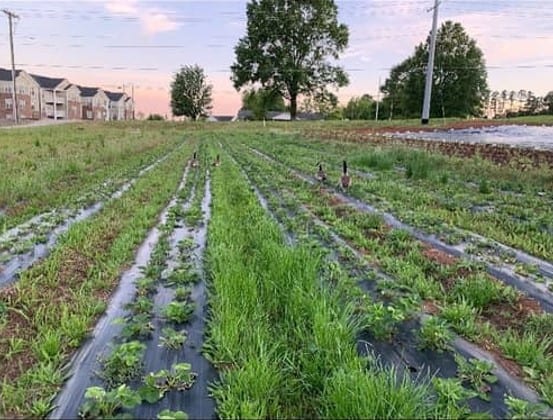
(28, 95)
(95, 104)
(53, 97)
(42, 97)
(117, 106)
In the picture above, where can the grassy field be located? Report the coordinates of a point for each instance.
(52, 167)
(322, 301)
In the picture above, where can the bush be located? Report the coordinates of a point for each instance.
(155, 117)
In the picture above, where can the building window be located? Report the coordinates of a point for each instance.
(8, 103)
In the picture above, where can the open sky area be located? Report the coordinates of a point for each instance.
(113, 43)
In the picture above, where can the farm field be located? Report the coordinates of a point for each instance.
(172, 270)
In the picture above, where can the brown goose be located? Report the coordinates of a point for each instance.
(194, 160)
(217, 161)
(321, 175)
(346, 178)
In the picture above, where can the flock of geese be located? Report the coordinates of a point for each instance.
(194, 163)
(345, 179)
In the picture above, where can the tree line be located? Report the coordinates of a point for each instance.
(287, 59)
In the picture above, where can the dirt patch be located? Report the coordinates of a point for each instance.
(512, 367)
(334, 200)
(439, 257)
(522, 158)
(17, 325)
(76, 265)
(503, 315)
(430, 307)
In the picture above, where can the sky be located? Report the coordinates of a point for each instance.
(116, 44)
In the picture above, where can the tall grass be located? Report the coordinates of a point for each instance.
(282, 339)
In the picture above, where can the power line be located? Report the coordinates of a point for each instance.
(11, 17)
(430, 67)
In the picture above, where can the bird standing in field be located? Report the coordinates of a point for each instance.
(195, 160)
(321, 175)
(217, 161)
(346, 178)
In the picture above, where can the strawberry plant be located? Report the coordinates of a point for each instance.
(124, 363)
(521, 409)
(183, 276)
(178, 312)
(138, 326)
(434, 335)
(172, 415)
(451, 398)
(182, 294)
(382, 320)
(142, 305)
(172, 339)
(100, 403)
(478, 373)
(156, 384)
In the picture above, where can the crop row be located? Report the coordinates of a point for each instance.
(49, 312)
(61, 167)
(457, 293)
(434, 192)
(154, 320)
(283, 339)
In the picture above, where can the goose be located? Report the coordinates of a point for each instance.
(346, 178)
(321, 175)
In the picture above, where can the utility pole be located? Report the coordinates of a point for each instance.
(14, 93)
(430, 67)
(377, 99)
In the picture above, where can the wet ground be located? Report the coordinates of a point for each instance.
(513, 135)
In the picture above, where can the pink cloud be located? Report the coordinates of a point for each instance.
(152, 20)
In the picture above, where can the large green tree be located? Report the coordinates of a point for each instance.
(362, 108)
(548, 101)
(290, 46)
(261, 101)
(190, 93)
(322, 102)
(459, 80)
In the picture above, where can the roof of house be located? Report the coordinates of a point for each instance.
(221, 118)
(47, 82)
(114, 96)
(244, 114)
(311, 116)
(278, 116)
(6, 75)
(88, 91)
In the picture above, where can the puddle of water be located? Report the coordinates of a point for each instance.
(514, 135)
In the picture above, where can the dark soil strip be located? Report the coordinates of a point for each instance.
(196, 402)
(85, 364)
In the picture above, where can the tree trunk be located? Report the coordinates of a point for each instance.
(293, 107)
